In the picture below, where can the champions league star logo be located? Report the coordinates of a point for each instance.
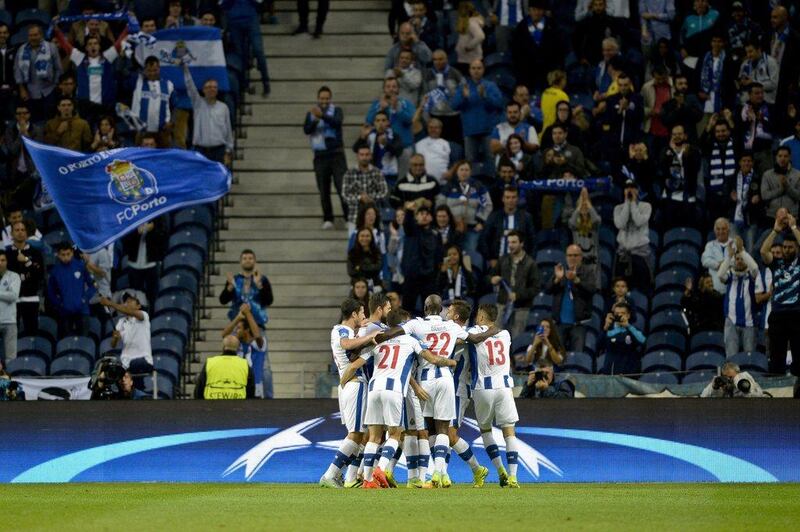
(129, 184)
(292, 439)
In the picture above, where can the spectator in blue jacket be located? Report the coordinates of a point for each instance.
(69, 290)
(244, 30)
(480, 103)
(622, 343)
(401, 114)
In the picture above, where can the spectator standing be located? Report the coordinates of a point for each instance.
(422, 257)
(780, 186)
(105, 136)
(552, 96)
(760, 68)
(440, 83)
(683, 109)
(748, 213)
(36, 70)
(632, 219)
(153, 101)
(621, 122)
(369, 218)
(364, 260)
(755, 127)
(9, 295)
(249, 286)
(504, 15)
(741, 30)
(456, 279)
(534, 47)
(400, 113)
(546, 387)
(425, 26)
(717, 251)
(244, 30)
(69, 290)
(783, 44)
(133, 330)
(703, 306)
(480, 102)
(8, 92)
(590, 31)
(19, 166)
(145, 248)
(517, 276)
(99, 264)
(408, 76)
(175, 17)
(793, 142)
(362, 185)
(546, 346)
(469, 27)
(407, 39)
(445, 227)
(470, 203)
(655, 19)
(67, 130)
(739, 274)
(622, 343)
(697, 28)
(717, 78)
(385, 145)
(226, 376)
(302, 14)
(323, 125)
(678, 169)
(436, 151)
(785, 312)
(765, 288)
(501, 223)
(572, 288)
(212, 134)
(14, 215)
(28, 263)
(721, 154)
(513, 125)
(415, 185)
(584, 222)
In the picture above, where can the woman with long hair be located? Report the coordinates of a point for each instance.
(546, 345)
(470, 203)
(365, 259)
(369, 217)
(445, 226)
(360, 290)
(469, 27)
(523, 163)
(456, 280)
(105, 137)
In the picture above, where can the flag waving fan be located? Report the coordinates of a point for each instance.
(102, 196)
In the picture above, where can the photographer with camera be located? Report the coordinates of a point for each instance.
(733, 383)
(622, 342)
(541, 384)
(9, 390)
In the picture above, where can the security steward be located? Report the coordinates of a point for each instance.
(226, 376)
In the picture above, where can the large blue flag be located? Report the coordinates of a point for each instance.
(102, 196)
(199, 46)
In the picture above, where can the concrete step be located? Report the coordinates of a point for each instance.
(305, 251)
(290, 6)
(359, 22)
(276, 182)
(212, 327)
(335, 278)
(372, 46)
(283, 211)
(273, 266)
(315, 68)
(248, 235)
(252, 199)
(277, 114)
(288, 137)
(275, 159)
(331, 298)
(359, 91)
(309, 223)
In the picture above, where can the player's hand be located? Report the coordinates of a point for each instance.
(245, 308)
(422, 395)
(449, 363)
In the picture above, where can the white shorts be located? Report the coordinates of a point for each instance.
(442, 404)
(495, 406)
(385, 407)
(353, 405)
(412, 416)
(462, 403)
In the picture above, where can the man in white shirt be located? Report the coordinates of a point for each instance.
(9, 293)
(133, 329)
(14, 216)
(716, 251)
(212, 134)
(436, 151)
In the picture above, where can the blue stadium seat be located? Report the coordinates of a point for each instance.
(77, 346)
(51, 221)
(576, 362)
(95, 329)
(607, 238)
(704, 360)
(167, 365)
(750, 361)
(707, 341)
(547, 259)
(683, 235)
(47, 328)
(668, 340)
(19, 38)
(477, 261)
(184, 258)
(521, 342)
(56, 237)
(639, 301)
(666, 379)
(173, 322)
(174, 302)
(680, 255)
(598, 304)
(662, 361)
(486, 299)
(178, 282)
(165, 388)
(666, 301)
(590, 344)
(542, 301)
(5, 18)
(703, 376)
(673, 279)
(195, 215)
(74, 364)
(191, 236)
(655, 239)
(496, 58)
(535, 318)
(27, 366)
(32, 16)
(550, 238)
(36, 346)
(671, 320)
(107, 351)
(167, 343)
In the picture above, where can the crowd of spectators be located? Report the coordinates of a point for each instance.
(532, 152)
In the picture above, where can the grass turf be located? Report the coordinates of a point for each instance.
(304, 507)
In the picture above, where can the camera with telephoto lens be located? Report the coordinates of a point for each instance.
(539, 375)
(106, 381)
(721, 382)
(10, 390)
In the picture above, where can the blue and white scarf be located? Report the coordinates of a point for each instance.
(536, 30)
(711, 78)
(133, 23)
(43, 66)
(721, 166)
(323, 131)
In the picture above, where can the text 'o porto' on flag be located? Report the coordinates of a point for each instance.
(102, 196)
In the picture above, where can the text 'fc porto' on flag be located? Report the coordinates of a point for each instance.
(102, 196)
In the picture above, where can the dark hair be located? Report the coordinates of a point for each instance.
(461, 308)
(558, 125)
(615, 280)
(396, 317)
(324, 88)
(787, 149)
(515, 233)
(754, 43)
(362, 214)
(451, 222)
(660, 70)
(512, 103)
(376, 301)
(423, 208)
(349, 306)
(746, 153)
(150, 60)
(149, 135)
(755, 85)
(247, 251)
(489, 309)
(506, 162)
(65, 97)
(61, 246)
(145, 19)
(623, 305)
(511, 188)
(357, 255)
(91, 38)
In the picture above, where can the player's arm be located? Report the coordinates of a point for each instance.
(422, 395)
(394, 332)
(351, 344)
(437, 361)
(351, 369)
(476, 338)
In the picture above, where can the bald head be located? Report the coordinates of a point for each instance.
(476, 70)
(230, 343)
(433, 305)
(405, 34)
(574, 256)
(722, 229)
(779, 17)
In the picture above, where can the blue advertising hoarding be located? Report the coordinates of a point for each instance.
(659, 440)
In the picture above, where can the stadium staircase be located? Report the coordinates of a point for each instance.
(274, 207)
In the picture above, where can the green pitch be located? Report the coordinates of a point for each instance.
(302, 507)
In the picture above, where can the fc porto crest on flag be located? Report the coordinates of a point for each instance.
(129, 184)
